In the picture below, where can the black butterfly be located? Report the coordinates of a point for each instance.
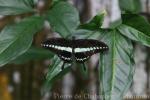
(79, 50)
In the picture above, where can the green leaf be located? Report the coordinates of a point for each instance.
(29, 3)
(134, 34)
(138, 22)
(63, 18)
(86, 34)
(116, 68)
(55, 72)
(13, 7)
(83, 69)
(133, 6)
(35, 1)
(56, 1)
(95, 23)
(115, 24)
(135, 27)
(34, 53)
(17, 38)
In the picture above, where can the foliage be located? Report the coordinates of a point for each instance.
(33, 53)
(66, 21)
(116, 76)
(16, 39)
(132, 6)
(9, 7)
(95, 23)
(116, 67)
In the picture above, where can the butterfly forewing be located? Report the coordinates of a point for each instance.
(60, 46)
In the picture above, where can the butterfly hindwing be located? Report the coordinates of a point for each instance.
(65, 56)
(81, 57)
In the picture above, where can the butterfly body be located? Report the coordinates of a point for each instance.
(79, 50)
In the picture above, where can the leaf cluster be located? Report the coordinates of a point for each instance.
(116, 67)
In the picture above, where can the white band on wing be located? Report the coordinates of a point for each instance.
(69, 49)
(76, 50)
(86, 49)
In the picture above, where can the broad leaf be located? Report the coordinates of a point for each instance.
(63, 18)
(17, 38)
(34, 53)
(133, 6)
(13, 7)
(116, 68)
(95, 23)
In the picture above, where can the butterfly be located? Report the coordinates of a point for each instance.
(79, 50)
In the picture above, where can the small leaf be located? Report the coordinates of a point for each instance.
(55, 72)
(116, 68)
(63, 18)
(136, 28)
(133, 6)
(83, 69)
(34, 53)
(35, 1)
(138, 22)
(134, 34)
(95, 23)
(13, 7)
(56, 1)
(17, 38)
